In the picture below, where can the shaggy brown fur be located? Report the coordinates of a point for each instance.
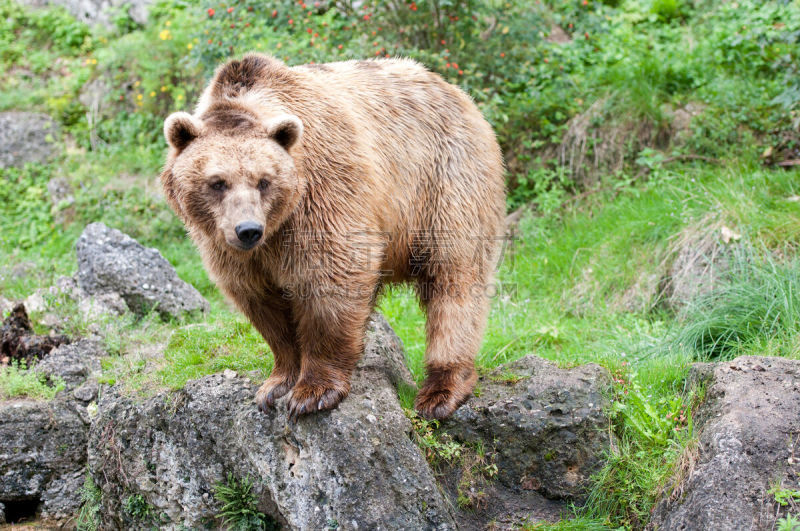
(358, 173)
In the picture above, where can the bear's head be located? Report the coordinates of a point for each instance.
(230, 175)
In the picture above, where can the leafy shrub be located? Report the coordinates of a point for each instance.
(24, 205)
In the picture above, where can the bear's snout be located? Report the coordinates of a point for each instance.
(249, 232)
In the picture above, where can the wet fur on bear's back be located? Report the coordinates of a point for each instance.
(387, 137)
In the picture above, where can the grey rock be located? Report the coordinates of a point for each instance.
(354, 467)
(748, 430)
(98, 11)
(681, 119)
(43, 454)
(2, 512)
(548, 426)
(44, 444)
(87, 392)
(91, 307)
(73, 363)
(26, 137)
(62, 199)
(60, 191)
(112, 262)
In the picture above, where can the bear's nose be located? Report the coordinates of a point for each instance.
(249, 232)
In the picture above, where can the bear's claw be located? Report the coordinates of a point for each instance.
(271, 390)
(306, 399)
(437, 404)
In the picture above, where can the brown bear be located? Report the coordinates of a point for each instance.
(308, 188)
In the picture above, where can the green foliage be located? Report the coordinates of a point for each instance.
(16, 380)
(24, 32)
(27, 218)
(578, 523)
(406, 394)
(784, 497)
(653, 422)
(137, 508)
(438, 448)
(789, 522)
(789, 500)
(239, 506)
(91, 499)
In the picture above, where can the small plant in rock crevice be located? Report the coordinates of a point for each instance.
(239, 506)
(91, 498)
(476, 465)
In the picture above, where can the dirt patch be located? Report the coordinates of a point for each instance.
(19, 343)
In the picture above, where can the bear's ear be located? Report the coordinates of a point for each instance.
(180, 128)
(285, 129)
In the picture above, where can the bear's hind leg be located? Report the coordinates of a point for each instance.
(456, 312)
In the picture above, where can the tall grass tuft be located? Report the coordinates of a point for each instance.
(758, 300)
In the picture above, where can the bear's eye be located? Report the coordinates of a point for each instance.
(263, 184)
(219, 186)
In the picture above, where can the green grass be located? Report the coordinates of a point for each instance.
(17, 381)
(225, 342)
(757, 303)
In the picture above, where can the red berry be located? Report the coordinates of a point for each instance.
(211, 11)
(340, 46)
(460, 72)
(291, 21)
(308, 30)
(230, 10)
(274, 13)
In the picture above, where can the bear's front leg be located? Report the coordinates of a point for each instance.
(271, 315)
(331, 338)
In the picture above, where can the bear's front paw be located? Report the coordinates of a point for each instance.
(272, 389)
(309, 398)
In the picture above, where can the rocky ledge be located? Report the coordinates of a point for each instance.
(748, 429)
